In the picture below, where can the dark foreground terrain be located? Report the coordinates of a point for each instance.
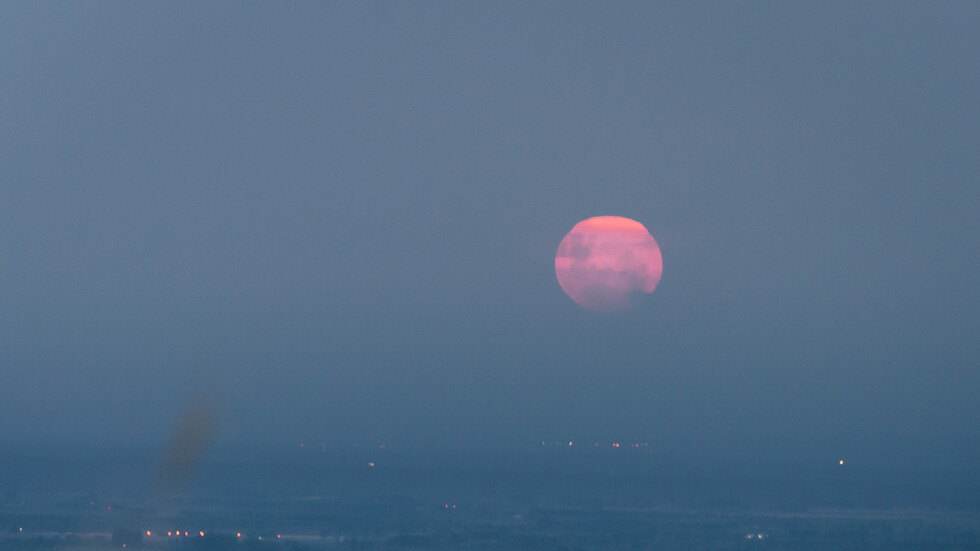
(547, 498)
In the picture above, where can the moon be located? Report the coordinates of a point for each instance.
(603, 261)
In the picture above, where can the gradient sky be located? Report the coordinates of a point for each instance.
(340, 219)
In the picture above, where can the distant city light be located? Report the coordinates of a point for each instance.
(370, 463)
(569, 443)
(615, 444)
(239, 534)
(841, 461)
(202, 534)
(148, 533)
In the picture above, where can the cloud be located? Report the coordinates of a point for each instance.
(576, 246)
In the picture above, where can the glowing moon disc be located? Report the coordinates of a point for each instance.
(605, 259)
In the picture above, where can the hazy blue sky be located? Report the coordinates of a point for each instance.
(341, 219)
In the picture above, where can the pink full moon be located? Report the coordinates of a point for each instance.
(604, 260)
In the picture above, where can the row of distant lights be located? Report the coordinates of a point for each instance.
(323, 446)
(543, 443)
(200, 533)
(596, 444)
(174, 533)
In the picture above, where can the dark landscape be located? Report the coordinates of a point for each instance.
(544, 497)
